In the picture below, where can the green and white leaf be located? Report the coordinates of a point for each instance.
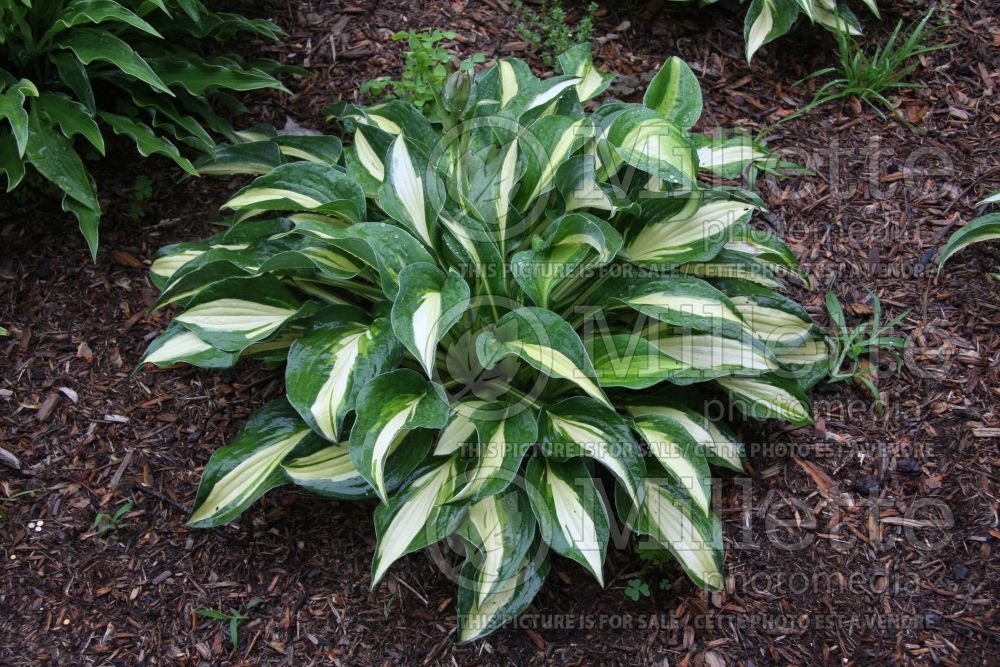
(328, 471)
(680, 455)
(720, 445)
(505, 434)
(985, 228)
(769, 396)
(429, 303)
(675, 94)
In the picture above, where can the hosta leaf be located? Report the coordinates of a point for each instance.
(730, 264)
(581, 426)
(146, 141)
(477, 618)
(249, 466)
(767, 20)
(577, 182)
(403, 194)
(73, 73)
(680, 455)
(253, 157)
(12, 108)
(545, 341)
(765, 250)
(717, 355)
(54, 157)
(500, 528)
(667, 236)
(388, 407)
(769, 396)
(720, 446)
(632, 361)
(578, 62)
(729, 157)
(428, 304)
(505, 435)
(682, 301)
(88, 220)
(476, 255)
(178, 345)
(416, 516)
(328, 367)
(650, 143)
(545, 145)
(773, 318)
(675, 94)
(72, 117)
(303, 186)
(460, 432)
(538, 95)
(235, 313)
(992, 198)
(570, 511)
(328, 471)
(98, 11)
(10, 161)
(670, 516)
(90, 44)
(838, 18)
(984, 228)
(321, 149)
(199, 75)
(568, 243)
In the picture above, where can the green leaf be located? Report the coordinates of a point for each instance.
(388, 407)
(546, 145)
(769, 396)
(328, 367)
(146, 140)
(570, 511)
(256, 157)
(54, 157)
(578, 62)
(328, 472)
(303, 186)
(767, 20)
(680, 455)
(320, 149)
(98, 11)
(505, 434)
(248, 467)
(985, 228)
(416, 516)
(670, 516)
(580, 426)
(721, 447)
(90, 44)
(429, 303)
(73, 73)
(10, 161)
(632, 361)
(675, 94)
(72, 117)
(88, 220)
(178, 345)
(545, 341)
(12, 108)
(647, 141)
(403, 194)
(199, 76)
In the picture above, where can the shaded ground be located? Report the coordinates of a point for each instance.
(874, 577)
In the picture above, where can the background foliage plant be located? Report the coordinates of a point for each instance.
(483, 319)
(70, 70)
(984, 228)
(425, 68)
(548, 30)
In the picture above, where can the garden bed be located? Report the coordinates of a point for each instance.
(862, 588)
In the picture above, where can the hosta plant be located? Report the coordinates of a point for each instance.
(73, 70)
(767, 20)
(984, 228)
(504, 328)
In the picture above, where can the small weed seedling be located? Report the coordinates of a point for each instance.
(636, 588)
(548, 31)
(142, 190)
(849, 345)
(871, 77)
(652, 555)
(426, 66)
(234, 617)
(106, 523)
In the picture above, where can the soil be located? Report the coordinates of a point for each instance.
(862, 540)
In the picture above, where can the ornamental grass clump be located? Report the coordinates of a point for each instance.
(487, 321)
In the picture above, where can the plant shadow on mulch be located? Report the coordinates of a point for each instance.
(859, 541)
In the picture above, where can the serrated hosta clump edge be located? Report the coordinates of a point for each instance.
(482, 321)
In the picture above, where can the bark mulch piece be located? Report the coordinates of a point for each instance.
(862, 540)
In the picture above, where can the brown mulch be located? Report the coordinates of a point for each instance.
(864, 540)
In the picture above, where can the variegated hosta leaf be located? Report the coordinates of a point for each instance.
(252, 157)
(428, 304)
(647, 141)
(992, 198)
(505, 435)
(680, 455)
(539, 97)
(838, 18)
(675, 94)
(303, 186)
(670, 516)
(773, 318)
(577, 182)
(731, 264)
(985, 228)
(416, 515)
(677, 231)
(571, 242)
(581, 426)
(389, 407)
(460, 431)
(321, 149)
(578, 62)
(769, 396)
(249, 466)
(178, 345)
(545, 341)
(681, 301)
(233, 314)
(404, 194)
(715, 354)
(765, 250)
(328, 471)
(330, 365)
(365, 158)
(809, 363)
(570, 511)
(632, 361)
(729, 157)
(767, 20)
(545, 145)
(499, 529)
(719, 444)
(506, 600)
